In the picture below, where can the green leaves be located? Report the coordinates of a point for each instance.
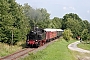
(36, 17)
(56, 23)
(12, 18)
(67, 34)
(73, 22)
(84, 34)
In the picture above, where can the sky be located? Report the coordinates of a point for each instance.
(58, 8)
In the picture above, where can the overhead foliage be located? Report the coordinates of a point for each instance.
(84, 34)
(75, 23)
(12, 21)
(70, 16)
(36, 16)
(74, 26)
(56, 23)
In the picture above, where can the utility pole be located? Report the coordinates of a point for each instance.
(12, 38)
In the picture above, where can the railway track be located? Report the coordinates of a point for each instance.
(25, 51)
(18, 54)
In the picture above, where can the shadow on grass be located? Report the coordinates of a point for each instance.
(23, 45)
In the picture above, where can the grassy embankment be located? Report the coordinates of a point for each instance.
(84, 45)
(55, 51)
(5, 49)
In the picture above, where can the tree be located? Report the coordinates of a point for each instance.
(87, 25)
(44, 24)
(67, 34)
(74, 26)
(6, 21)
(12, 20)
(70, 16)
(36, 16)
(21, 23)
(89, 28)
(84, 34)
(56, 23)
(88, 37)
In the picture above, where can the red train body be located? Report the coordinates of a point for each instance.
(38, 37)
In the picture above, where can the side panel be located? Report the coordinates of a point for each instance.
(54, 34)
(47, 35)
(51, 35)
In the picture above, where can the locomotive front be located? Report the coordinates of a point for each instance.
(34, 37)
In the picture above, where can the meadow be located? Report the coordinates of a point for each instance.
(56, 51)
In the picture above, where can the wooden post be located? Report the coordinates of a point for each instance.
(12, 38)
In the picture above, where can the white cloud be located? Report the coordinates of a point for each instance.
(68, 8)
(72, 8)
(88, 11)
(64, 8)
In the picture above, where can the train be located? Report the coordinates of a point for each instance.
(38, 37)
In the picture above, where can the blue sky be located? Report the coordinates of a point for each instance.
(58, 8)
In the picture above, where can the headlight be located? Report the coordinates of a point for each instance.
(36, 40)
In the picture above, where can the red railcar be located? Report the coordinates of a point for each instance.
(50, 34)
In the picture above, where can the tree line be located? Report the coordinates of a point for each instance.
(17, 20)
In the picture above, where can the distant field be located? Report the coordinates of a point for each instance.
(6, 49)
(84, 46)
(55, 51)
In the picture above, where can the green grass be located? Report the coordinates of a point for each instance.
(85, 46)
(5, 49)
(79, 55)
(55, 51)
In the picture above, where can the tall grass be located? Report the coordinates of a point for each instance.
(55, 51)
(85, 46)
(5, 49)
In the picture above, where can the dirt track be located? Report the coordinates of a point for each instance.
(73, 46)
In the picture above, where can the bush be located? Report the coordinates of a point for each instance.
(67, 34)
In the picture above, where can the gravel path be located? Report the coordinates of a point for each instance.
(73, 46)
